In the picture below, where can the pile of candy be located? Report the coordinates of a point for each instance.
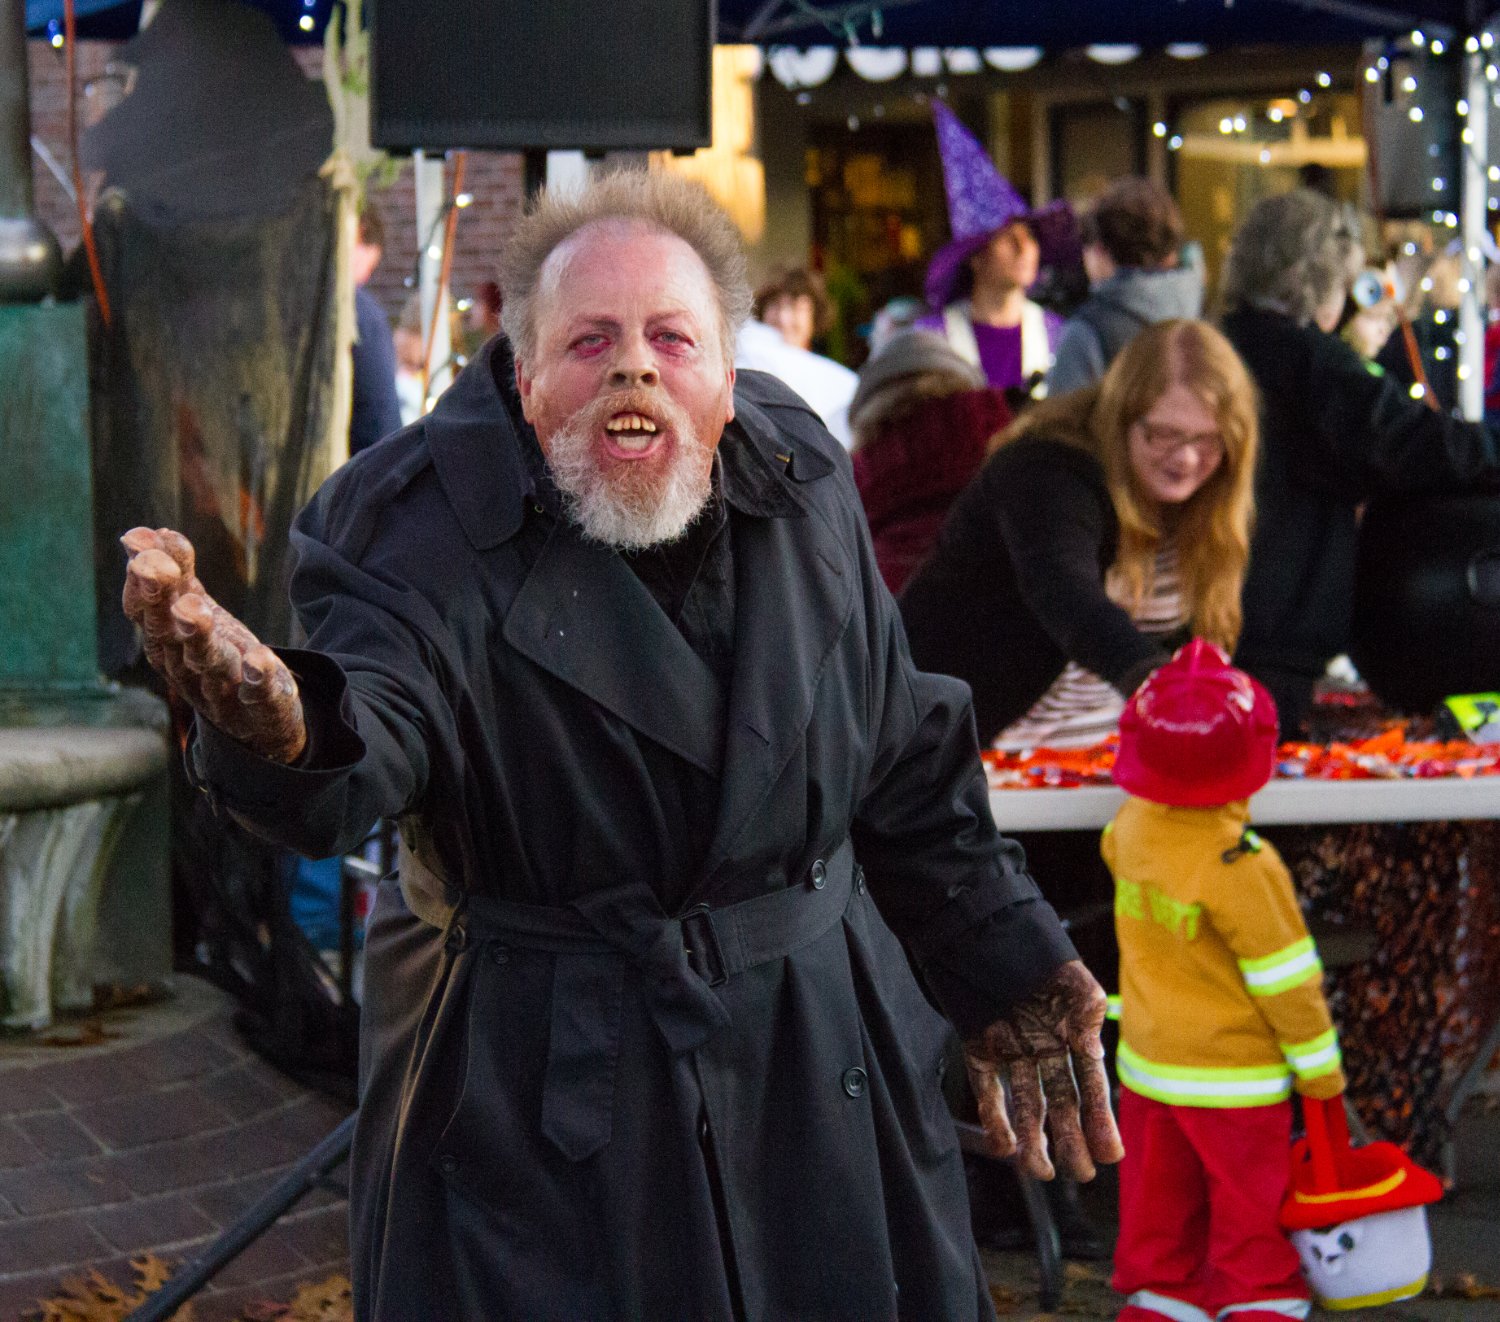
(1388, 755)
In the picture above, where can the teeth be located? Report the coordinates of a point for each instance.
(630, 422)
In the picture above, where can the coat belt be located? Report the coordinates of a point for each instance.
(680, 961)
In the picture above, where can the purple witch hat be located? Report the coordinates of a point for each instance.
(981, 203)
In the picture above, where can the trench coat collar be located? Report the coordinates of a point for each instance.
(583, 616)
(794, 597)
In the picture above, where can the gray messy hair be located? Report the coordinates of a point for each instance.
(653, 199)
(1291, 254)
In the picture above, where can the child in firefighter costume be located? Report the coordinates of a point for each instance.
(1222, 1009)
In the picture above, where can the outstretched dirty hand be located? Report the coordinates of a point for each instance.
(1048, 1049)
(228, 675)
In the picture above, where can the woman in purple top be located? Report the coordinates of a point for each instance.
(978, 281)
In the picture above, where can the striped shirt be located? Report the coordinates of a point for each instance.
(1080, 708)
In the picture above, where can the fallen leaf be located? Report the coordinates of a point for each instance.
(96, 1298)
(88, 1032)
(1463, 1286)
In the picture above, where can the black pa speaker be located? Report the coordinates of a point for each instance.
(1414, 132)
(510, 75)
(1427, 598)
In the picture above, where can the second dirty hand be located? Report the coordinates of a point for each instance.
(227, 674)
(1048, 1049)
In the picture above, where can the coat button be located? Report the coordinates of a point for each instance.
(448, 1163)
(819, 874)
(501, 954)
(855, 1081)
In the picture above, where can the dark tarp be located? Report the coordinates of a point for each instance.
(211, 406)
(970, 22)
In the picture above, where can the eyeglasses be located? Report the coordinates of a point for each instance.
(1164, 440)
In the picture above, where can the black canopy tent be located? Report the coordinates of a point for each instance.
(954, 22)
(1154, 23)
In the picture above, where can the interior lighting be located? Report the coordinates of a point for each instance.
(1108, 53)
(1159, 129)
(463, 200)
(1174, 143)
(1325, 80)
(1418, 38)
(1416, 391)
(1486, 39)
(1304, 96)
(1011, 59)
(1438, 185)
(1265, 156)
(1468, 136)
(306, 23)
(57, 40)
(1462, 107)
(877, 64)
(1226, 125)
(1415, 114)
(1471, 45)
(1463, 371)
(1239, 124)
(1186, 50)
(1441, 316)
(1437, 46)
(1275, 114)
(1408, 84)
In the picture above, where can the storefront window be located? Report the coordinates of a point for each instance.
(1229, 152)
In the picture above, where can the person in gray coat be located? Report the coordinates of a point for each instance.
(1131, 239)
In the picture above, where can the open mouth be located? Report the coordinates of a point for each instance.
(631, 435)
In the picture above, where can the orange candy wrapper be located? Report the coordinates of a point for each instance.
(1383, 756)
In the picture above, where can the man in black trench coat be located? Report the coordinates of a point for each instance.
(690, 851)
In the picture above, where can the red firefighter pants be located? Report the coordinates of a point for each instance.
(1200, 1190)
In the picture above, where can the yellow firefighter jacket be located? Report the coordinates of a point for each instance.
(1221, 988)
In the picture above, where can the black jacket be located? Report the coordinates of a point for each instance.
(1335, 432)
(566, 1112)
(1015, 588)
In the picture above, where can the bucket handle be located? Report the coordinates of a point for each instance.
(1327, 1139)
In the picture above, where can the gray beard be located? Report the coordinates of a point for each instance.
(622, 515)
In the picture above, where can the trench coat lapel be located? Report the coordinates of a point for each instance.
(583, 616)
(794, 595)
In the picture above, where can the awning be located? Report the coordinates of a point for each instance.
(912, 23)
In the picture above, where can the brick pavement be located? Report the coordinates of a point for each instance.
(157, 1141)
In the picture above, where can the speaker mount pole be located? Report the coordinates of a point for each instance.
(1473, 219)
(534, 161)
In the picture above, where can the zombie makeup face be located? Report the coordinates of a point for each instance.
(630, 387)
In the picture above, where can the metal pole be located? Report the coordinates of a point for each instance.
(1473, 217)
(304, 1176)
(428, 173)
(30, 259)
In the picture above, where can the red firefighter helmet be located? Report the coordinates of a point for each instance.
(1197, 733)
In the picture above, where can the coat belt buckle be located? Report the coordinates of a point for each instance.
(700, 942)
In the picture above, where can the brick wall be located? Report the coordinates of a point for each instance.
(494, 178)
